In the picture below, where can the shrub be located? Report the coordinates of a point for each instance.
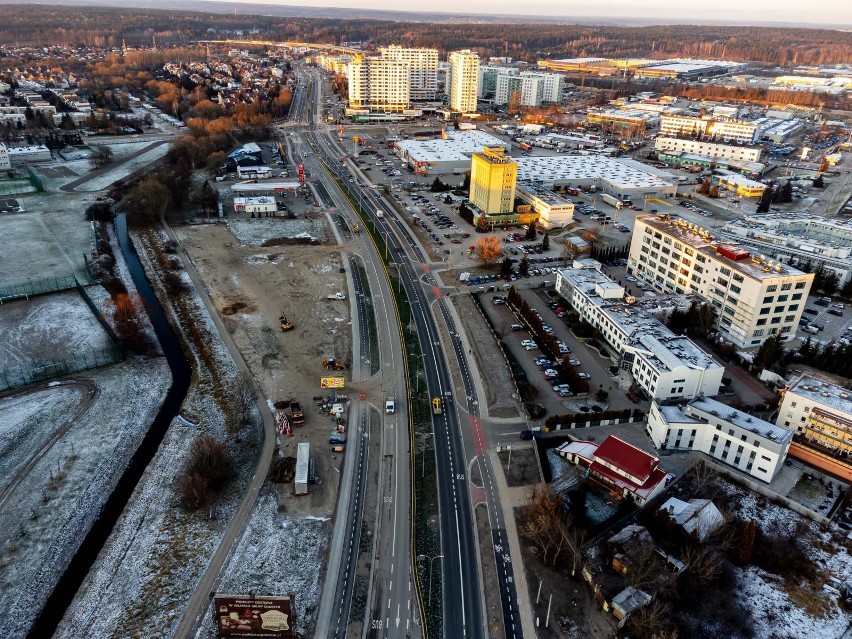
(207, 472)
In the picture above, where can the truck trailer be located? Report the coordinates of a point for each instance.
(612, 201)
(303, 457)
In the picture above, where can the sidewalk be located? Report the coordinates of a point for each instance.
(509, 499)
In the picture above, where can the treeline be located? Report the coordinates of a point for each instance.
(765, 96)
(106, 27)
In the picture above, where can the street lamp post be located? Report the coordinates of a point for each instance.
(431, 559)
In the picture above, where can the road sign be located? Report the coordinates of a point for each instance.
(332, 382)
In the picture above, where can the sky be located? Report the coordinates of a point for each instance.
(837, 12)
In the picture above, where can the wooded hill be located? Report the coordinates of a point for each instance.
(45, 25)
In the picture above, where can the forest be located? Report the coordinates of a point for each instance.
(46, 25)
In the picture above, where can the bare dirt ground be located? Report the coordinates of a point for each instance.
(495, 374)
(522, 466)
(574, 612)
(489, 574)
(250, 286)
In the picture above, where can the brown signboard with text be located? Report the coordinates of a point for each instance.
(255, 616)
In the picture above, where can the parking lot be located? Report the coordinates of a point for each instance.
(824, 320)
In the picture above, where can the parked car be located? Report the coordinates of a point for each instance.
(574, 362)
(526, 435)
(584, 376)
(633, 397)
(811, 311)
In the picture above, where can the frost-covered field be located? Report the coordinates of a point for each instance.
(107, 179)
(48, 326)
(775, 616)
(278, 554)
(146, 573)
(260, 230)
(54, 506)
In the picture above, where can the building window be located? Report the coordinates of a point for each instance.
(782, 298)
(761, 470)
(768, 299)
(771, 288)
(786, 287)
(800, 285)
(764, 310)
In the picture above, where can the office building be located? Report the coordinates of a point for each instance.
(635, 119)
(666, 366)
(25, 154)
(493, 177)
(819, 413)
(379, 84)
(423, 70)
(747, 443)
(740, 184)
(709, 129)
(754, 297)
(5, 164)
(463, 80)
(707, 149)
(554, 211)
(797, 239)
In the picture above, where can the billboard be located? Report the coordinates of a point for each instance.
(261, 617)
(331, 382)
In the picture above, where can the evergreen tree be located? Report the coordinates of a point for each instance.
(524, 266)
(818, 182)
(830, 282)
(531, 231)
(506, 268)
(765, 200)
(437, 186)
(786, 192)
(846, 291)
(545, 242)
(770, 352)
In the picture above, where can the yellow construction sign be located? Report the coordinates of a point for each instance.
(331, 382)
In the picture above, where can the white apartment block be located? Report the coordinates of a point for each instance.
(379, 84)
(533, 89)
(754, 297)
(5, 164)
(797, 239)
(727, 130)
(820, 412)
(749, 444)
(423, 65)
(666, 366)
(463, 80)
(487, 87)
(707, 149)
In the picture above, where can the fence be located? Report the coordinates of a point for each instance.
(29, 288)
(47, 368)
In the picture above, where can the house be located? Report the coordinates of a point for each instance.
(698, 517)
(629, 601)
(623, 468)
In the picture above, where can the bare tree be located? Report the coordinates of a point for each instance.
(244, 398)
(703, 563)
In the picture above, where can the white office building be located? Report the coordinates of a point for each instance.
(5, 164)
(755, 297)
(724, 130)
(554, 210)
(463, 80)
(797, 239)
(666, 366)
(379, 84)
(423, 67)
(667, 145)
(747, 443)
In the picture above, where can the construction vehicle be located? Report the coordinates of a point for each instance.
(286, 325)
(356, 229)
(297, 416)
(333, 365)
(436, 406)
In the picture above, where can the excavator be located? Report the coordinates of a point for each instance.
(333, 365)
(286, 325)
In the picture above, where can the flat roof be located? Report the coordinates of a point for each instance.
(458, 147)
(545, 195)
(742, 420)
(701, 240)
(824, 392)
(566, 168)
(257, 199)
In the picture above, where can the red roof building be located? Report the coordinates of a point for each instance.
(620, 466)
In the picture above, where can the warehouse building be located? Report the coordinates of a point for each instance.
(554, 211)
(624, 179)
(443, 155)
(707, 149)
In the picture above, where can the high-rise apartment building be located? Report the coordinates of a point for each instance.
(379, 84)
(487, 87)
(533, 89)
(463, 80)
(423, 65)
(493, 177)
(754, 297)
